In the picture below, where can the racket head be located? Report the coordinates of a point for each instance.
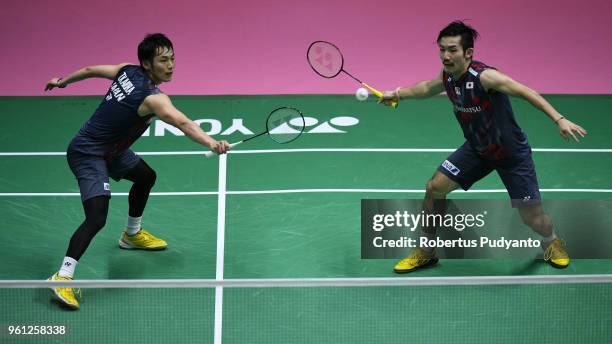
(285, 124)
(325, 59)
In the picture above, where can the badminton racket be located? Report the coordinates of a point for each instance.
(283, 125)
(327, 61)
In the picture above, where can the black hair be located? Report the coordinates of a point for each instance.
(147, 49)
(459, 28)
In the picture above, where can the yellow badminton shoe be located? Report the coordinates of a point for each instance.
(556, 255)
(65, 295)
(142, 240)
(416, 260)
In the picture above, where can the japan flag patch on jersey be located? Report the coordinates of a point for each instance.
(469, 85)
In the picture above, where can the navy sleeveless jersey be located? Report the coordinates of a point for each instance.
(115, 124)
(486, 118)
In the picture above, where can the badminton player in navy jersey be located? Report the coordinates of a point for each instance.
(101, 148)
(494, 141)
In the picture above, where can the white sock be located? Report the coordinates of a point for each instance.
(67, 268)
(133, 225)
(547, 240)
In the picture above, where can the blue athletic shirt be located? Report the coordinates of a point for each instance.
(486, 118)
(115, 124)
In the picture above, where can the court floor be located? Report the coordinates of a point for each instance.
(290, 212)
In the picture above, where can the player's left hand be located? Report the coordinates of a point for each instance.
(55, 82)
(567, 129)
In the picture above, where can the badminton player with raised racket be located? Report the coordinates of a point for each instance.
(494, 141)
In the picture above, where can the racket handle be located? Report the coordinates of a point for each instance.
(211, 153)
(377, 93)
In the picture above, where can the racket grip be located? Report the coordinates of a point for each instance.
(377, 93)
(211, 153)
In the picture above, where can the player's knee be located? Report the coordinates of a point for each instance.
(151, 177)
(148, 178)
(96, 222)
(435, 188)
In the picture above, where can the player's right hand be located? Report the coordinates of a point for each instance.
(388, 97)
(567, 129)
(220, 147)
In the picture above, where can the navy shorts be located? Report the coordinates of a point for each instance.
(465, 167)
(92, 172)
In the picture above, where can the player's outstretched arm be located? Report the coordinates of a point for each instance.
(492, 79)
(161, 105)
(421, 90)
(99, 71)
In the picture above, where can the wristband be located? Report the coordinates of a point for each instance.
(558, 119)
(59, 83)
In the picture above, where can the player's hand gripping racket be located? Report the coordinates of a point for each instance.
(327, 61)
(283, 125)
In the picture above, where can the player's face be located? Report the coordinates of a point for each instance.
(454, 59)
(162, 67)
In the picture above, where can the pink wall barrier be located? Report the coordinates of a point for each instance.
(259, 47)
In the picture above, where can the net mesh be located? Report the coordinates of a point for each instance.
(535, 313)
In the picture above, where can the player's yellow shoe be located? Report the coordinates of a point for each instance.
(556, 255)
(142, 240)
(416, 260)
(65, 295)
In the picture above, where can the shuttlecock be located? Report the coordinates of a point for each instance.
(361, 94)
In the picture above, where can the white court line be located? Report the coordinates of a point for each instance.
(259, 192)
(218, 335)
(321, 150)
(288, 191)
(313, 282)
(74, 194)
(407, 150)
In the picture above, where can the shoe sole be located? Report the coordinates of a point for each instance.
(60, 299)
(557, 266)
(431, 263)
(63, 302)
(127, 246)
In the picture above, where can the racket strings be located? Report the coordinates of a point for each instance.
(325, 59)
(285, 125)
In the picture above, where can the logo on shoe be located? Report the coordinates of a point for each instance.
(107, 186)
